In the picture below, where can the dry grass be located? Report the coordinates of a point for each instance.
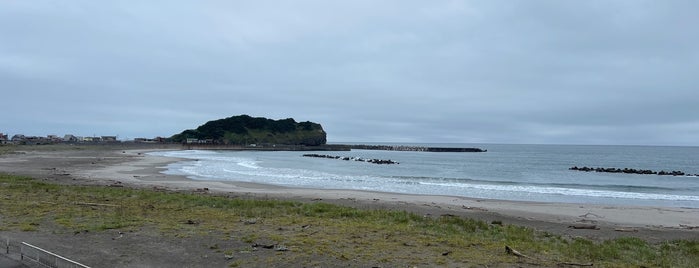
(346, 235)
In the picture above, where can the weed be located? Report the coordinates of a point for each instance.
(313, 229)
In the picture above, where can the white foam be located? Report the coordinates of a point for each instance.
(568, 191)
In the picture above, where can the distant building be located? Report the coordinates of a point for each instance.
(143, 140)
(54, 138)
(109, 138)
(17, 138)
(92, 139)
(70, 138)
(193, 140)
(3, 139)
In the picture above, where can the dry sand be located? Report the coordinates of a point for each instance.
(133, 167)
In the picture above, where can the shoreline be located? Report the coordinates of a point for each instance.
(135, 168)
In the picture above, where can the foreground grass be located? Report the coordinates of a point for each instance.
(348, 235)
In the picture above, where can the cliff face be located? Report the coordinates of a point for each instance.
(243, 129)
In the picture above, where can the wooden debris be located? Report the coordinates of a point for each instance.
(628, 230)
(95, 204)
(575, 264)
(587, 215)
(584, 226)
(473, 208)
(265, 246)
(512, 251)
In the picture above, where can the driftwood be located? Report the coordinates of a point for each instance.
(690, 227)
(575, 264)
(512, 251)
(628, 230)
(95, 204)
(584, 226)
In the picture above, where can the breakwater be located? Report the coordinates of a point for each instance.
(633, 171)
(263, 147)
(326, 147)
(416, 148)
(358, 159)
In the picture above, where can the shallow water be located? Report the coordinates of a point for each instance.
(508, 172)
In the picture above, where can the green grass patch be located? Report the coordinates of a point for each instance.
(317, 229)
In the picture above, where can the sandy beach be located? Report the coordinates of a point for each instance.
(133, 167)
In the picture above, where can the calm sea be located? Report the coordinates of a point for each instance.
(508, 172)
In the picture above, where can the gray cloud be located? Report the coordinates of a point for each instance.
(609, 72)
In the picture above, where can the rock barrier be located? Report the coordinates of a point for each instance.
(632, 171)
(359, 159)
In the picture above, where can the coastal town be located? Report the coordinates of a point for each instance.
(21, 139)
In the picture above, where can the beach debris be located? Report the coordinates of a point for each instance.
(120, 235)
(587, 215)
(358, 159)
(94, 204)
(250, 221)
(275, 247)
(575, 264)
(690, 227)
(584, 226)
(627, 230)
(512, 251)
(265, 246)
(473, 208)
(228, 257)
(159, 188)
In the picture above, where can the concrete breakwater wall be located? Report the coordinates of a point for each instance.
(264, 147)
(416, 148)
(326, 147)
(633, 171)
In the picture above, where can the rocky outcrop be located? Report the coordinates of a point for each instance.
(246, 130)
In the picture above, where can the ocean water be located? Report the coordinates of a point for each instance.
(507, 172)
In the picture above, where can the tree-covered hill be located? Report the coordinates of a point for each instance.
(244, 129)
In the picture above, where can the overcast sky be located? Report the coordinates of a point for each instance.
(561, 72)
